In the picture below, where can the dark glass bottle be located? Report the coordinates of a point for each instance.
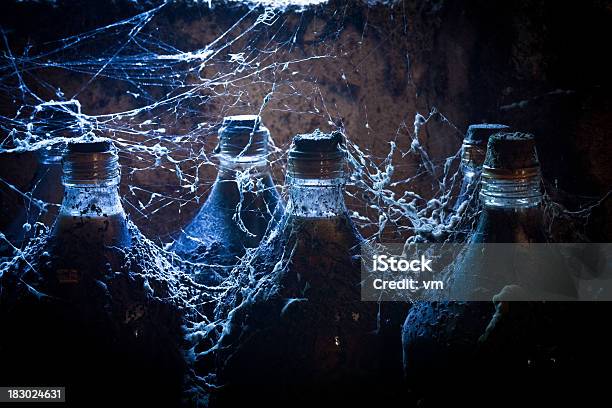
(449, 337)
(302, 333)
(241, 204)
(91, 232)
(459, 221)
(44, 196)
(87, 318)
(473, 152)
(45, 190)
(511, 198)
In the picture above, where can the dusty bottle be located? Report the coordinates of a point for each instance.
(45, 190)
(91, 231)
(450, 336)
(511, 200)
(473, 152)
(44, 196)
(302, 333)
(241, 204)
(93, 322)
(458, 222)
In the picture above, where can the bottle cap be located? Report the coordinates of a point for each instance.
(479, 134)
(100, 145)
(317, 155)
(512, 152)
(318, 142)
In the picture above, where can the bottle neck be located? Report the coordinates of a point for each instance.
(472, 155)
(316, 176)
(92, 201)
(472, 158)
(243, 138)
(91, 217)
(247, 186)
(316, 198)
(230, 168)
(470, 173)
(510, 189)
(511, 210)
(46, 184)
(469, 184)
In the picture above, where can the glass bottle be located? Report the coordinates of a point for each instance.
(45, 191)
(241, 204)
(461, 219)
(302, 333)
(511, 198)
(473, 152)
(90, 319)
(450, 336)
(44, 195)
(91, 231)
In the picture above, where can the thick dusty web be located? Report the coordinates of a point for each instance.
(150, 137)
(169, 86)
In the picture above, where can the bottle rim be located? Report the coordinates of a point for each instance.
(239, 121)
(479, 134)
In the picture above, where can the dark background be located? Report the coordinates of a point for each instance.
(539, 66)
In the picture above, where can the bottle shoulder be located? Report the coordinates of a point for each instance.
(322, 251)
(490, 262)
(92, 231)
(231, 219)
(498, 225)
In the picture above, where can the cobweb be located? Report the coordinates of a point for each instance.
(178, 98)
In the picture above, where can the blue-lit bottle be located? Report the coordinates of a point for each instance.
(448, 336)
(44, 195)
(303, 334)
(91, 231)
(461, 219)
(241, 204)
(511, 198)
(45, 192)
(91, 317)
(473, 152)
